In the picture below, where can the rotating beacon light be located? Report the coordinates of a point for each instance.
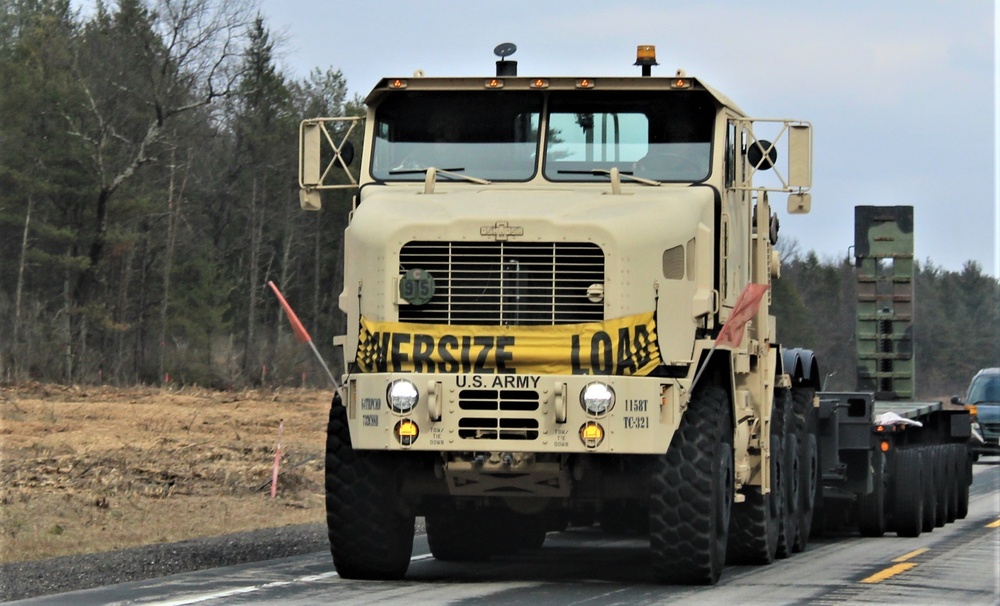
(645, 56)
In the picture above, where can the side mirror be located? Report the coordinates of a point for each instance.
(762, 155)
(347, 153)
(955, 400)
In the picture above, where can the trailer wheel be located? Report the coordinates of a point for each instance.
(908, 493)
(965, 462)
(370, 535)
(871, 507)
(691, 494)
(930, 487)
(805, 429)
(943, 502)
(955, 467)
(756, 522)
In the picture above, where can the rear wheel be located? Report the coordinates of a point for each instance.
(871, 507)
(908, 497)
(788, 470)
(942, 501)
(756, 522)
(963, 486)
(955, 477)
(691, 494)
(808, 465)
(370, 530)
(930, 487)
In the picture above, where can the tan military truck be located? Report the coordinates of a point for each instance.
(557, 310)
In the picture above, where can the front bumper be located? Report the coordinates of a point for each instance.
(513, 413)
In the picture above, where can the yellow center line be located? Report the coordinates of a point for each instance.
(912, 554)
(889, 572)
(994, 524)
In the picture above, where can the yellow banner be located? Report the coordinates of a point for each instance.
(624, 346)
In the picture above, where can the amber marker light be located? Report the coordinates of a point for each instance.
(539, 83)
(494, 83)
(397, 84)
(645, 53)
(406, 432)
(680, 83)
(592, 434)
(884, 446)
(585, 83)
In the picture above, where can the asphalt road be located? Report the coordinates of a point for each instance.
(956, 564)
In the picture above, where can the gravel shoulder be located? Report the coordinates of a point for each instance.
(22, 580)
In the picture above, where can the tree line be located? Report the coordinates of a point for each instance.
(148, 160)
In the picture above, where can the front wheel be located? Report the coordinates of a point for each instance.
(691, 494)
(371, 533)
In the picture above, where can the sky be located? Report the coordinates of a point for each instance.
(902, 94)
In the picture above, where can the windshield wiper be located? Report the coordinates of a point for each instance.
(420, 171)
(431, 176)
(614, 175)
(621, 174)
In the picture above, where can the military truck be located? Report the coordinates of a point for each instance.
(888, 462)
(556, 292)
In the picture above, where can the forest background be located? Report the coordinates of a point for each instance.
(148, 193)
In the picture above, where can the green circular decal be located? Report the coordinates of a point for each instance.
(416, 287)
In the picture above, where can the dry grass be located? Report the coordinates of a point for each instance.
(88, 469)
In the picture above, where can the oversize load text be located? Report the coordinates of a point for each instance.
(624, 346)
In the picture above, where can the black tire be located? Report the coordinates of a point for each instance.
(942, 502)
(788, 470)
(370, 535)
(808, 465)
(955, 476)
(966, 480)
(459, 535)
(908, 493)
(871, 507)
(756, 522)
(691, 494)
(930, 487)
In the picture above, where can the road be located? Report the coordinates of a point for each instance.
(956, 564)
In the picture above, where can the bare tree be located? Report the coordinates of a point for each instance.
(139, 69)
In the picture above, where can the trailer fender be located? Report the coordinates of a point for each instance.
(801, 365)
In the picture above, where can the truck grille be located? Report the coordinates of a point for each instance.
(506, 283)
(481, 425)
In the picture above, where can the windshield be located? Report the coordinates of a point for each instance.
(985, 388)
(651, 134)
(486, 134)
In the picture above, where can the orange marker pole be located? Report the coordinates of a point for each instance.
(301, 335)
(277, 461)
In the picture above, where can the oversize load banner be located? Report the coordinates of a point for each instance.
(625, 346)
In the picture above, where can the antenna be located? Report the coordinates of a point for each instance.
(504, 67)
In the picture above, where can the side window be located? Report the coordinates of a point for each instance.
(730, 155)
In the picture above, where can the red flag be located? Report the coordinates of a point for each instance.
(300, 332)
(746, 308)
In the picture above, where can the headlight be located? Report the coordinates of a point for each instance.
(402, 395)
(597, 398)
